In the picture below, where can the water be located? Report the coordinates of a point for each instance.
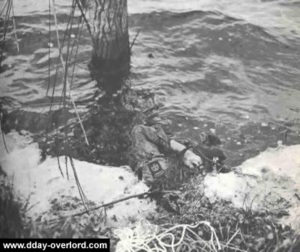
(224, 66)
(227, 65)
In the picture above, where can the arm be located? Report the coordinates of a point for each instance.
(157, 136)
(175, 146)
(190, 159)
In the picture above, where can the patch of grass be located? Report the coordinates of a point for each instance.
(54, 224)
(236, 229)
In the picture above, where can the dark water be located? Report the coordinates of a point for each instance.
(226, 66)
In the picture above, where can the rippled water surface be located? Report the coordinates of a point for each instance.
(222, 64)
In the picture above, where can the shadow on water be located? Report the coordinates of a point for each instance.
(107, 121)
(209, 69)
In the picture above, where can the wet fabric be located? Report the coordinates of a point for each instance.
(150, 152)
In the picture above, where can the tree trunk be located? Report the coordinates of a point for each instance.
(108, 21)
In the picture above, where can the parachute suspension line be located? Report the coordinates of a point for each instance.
(68, 49)
(3, 136)
(49, 49)
(50, 45)
(66, 164)
(80, 190)
(6, 19)
(57, 155)
(66, 79)
(3, 7)
(14, 26)
(85, 20)
(65, 87)
(78, 35)
(57, 63)
(6, 9)
(59, 166)
(63, 100)
(54, 85)
(66, 63)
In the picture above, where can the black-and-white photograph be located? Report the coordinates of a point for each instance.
(150, 125)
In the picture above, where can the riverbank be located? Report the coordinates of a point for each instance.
(215, 201)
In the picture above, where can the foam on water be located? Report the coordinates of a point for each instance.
(42, 182)
(269, 181)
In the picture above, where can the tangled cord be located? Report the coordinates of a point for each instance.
(145, 237)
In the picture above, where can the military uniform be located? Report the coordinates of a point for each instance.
(152, 155)
(153, 159)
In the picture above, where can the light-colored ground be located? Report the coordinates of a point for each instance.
(42, 182)
(269, 181)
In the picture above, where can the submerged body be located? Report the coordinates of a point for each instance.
(157, 159)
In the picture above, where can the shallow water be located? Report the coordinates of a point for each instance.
(227, 65)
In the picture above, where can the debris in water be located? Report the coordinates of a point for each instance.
(212, 130)
(50, 44)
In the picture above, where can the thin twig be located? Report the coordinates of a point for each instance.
(148, 193)
(233, 236)
(110, 203)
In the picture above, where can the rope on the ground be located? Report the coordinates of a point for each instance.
(172, 239)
